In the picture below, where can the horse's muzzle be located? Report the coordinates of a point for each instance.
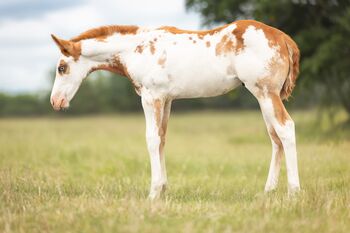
(59, 103)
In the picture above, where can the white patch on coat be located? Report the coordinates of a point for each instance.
(253, 61)
(195, 69)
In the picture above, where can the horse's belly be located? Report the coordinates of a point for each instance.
(205, 85)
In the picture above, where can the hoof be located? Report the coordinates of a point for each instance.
(293, 191)
(157, 192)
(270, 189)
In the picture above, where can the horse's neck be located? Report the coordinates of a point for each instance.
(102, 49)
(124, 44)
(111, 51)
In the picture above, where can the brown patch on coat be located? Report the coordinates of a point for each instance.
(269, 88)
(139, 48)
(119, 66)
(104, 67)
(277, 72)
(157, 108)
(265, 86)
(162, 59)
(101, 39)
(164, 125)
(281, 113)
(162, 133)
(65, 67)
(224, 46)
(162, 140)
(207, 44)
(152, 48)
(200, 34)
(275, 138)
(116, 66)
(239, 39)
(275, 37)
(105, 31)
(273, 85)
(161, 116)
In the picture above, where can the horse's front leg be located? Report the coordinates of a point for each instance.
(154, 111)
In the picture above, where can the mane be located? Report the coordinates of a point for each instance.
(176, 30)
(105, 31)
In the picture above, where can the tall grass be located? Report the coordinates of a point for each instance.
(91, 174)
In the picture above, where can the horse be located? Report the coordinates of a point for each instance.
(168, 63)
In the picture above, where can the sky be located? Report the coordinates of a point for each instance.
(27, 52)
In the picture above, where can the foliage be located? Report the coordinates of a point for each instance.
(105, 93)
(320, 27)
(21, 105)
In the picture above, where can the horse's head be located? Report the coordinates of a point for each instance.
(84, 54)
(71, 69)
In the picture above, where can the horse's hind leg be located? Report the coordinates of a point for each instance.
(282, 133)
(275, 112)
(277, 152)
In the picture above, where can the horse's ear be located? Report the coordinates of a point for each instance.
(68, 48)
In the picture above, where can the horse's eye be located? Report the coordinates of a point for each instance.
(61, 69)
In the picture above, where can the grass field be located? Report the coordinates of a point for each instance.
(91, 174)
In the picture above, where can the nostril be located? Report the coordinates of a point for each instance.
(52, 102)
(62, 102)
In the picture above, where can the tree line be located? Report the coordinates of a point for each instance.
(108, 93)
(321, 29)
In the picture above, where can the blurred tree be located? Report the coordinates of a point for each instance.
(20, 105)
(105, 92)
(321, 28)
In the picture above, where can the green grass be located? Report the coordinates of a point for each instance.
(91, 174)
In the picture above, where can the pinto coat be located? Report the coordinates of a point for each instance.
(168, 63)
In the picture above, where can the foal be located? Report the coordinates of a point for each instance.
(168, 63)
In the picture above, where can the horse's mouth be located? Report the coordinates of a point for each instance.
(63, 104)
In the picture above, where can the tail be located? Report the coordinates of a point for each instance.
(294, 55)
